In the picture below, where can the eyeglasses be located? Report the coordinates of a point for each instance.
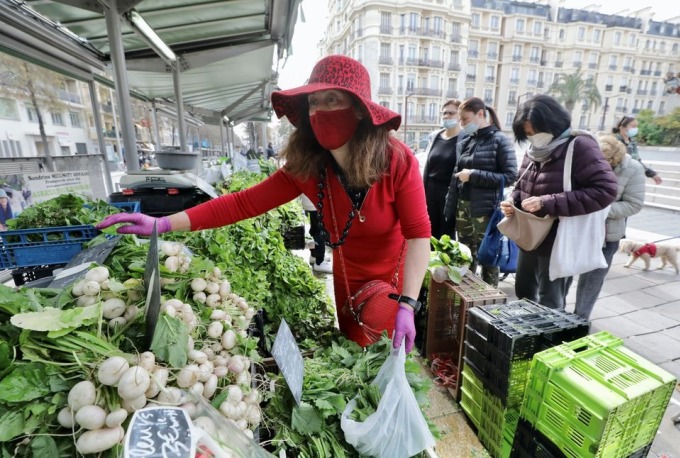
(449, 113)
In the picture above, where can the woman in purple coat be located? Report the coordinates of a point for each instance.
(546, 125)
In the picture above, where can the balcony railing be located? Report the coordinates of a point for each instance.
(627, 68)
(653, 92)
(641, 92)
(410, 30)
(657, 72)
(490, 79)
(592, 65)
(534, 60)
(623, 88)
(636, 110)
(107, 108)
(516, 58)
(492, 55)
(451, 94)
(488, 101)
(471, 77)
(425, 120)
(384, 90)
(613, 67)
(427, 91)
(456, 39)
(454, 67)
(608, 87)
(577, 64)
(532, 82)
(473, 53)
(512, 102)
(559, 64)
(543, 62)
(434, 33)
(645, 72)
(514, 80)
(632, 70)
(386, 29)
(540, 84)
(385, 60)
(69, 97)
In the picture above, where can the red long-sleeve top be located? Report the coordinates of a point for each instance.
(394, 209)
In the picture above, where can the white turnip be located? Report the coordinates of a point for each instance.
(200, 297)
(253, 397)
(220, 371)
(205, 370)
(131, 405)
(111, 370)
(249, 433)
(213, 300)
(225, 288)
(234, 394)
(133, 383)
(116, 418)
(82, 394)
(171, 263)
(253, 414)
(215, 330)
(249, 314)
(65, 418)
(171, 248)
(216, 315)
(85, 301)
(206, 424)
(210, 386)
(100, 440)
(105, 285)
(98, 274)
(147, 360)
(197, 388)
(212, 288)
(131, 312)
(116, 323)
(198, 356)
(169, 395)
(243, 378)
(159, 378)
(228, 339)
(113, 308)
(91, 288)
(190, 409)
(187, 376)
(77, 289)
(91, 417)
(198, 285)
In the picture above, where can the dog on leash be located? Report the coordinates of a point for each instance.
(646, 251)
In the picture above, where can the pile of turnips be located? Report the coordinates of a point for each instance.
(216, 366)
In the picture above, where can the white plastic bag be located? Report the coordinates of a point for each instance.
(578, 244)
(397, 428)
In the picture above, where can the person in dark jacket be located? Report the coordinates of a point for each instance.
(486, 156)
(539, 190)
(5, 210)
(441, 160)
(626, 131)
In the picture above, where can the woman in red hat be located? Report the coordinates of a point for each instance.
(365, 183)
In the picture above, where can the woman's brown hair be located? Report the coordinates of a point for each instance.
(474, 104)
(623, 123)
(370, 150)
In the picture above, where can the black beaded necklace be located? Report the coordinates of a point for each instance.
(356, 197)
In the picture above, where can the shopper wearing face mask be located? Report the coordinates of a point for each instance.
(540, 189)
(629, 200)
(626, 131)
(486, 158)
(365, 183)
(441, 160)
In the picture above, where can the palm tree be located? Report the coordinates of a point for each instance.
(570, 89)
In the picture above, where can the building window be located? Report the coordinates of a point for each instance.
(432, 111)
(617, 38)
(385, 50)
(386, 20)
(455, 29)
(509, 118)
(438, 24)
(413, 21)
(81, 148)
(581, 34)
(538, 28)
(75, 119)
(410, 82)
(32, 114)
(469, 92)
(632, 40)
(384, 80)
(495, 22)
(476, 20)
(597, 36)
(519, 25)
(561, 34)
(8, 109)
(385, 104)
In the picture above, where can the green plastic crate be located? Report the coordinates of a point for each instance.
(472, 394)
(594, 397)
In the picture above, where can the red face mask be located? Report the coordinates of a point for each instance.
(334, 128)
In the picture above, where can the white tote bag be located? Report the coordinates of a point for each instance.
(578, 244)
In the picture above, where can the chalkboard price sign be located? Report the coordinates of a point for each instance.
(287, 355)
(159, 432)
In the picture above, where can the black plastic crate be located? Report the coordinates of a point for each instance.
(480, 318)
(25, 275)
(476, 340)
(531, 443)
(642, 453)
(294, 238)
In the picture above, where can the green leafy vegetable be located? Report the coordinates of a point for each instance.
(171, 340)
(51, 319)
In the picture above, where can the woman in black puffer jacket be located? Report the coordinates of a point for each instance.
(540, 189)
(486, 158)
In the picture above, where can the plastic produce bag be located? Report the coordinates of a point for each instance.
(397, 428)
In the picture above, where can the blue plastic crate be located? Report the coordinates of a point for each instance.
(37, 247)
(128, 207)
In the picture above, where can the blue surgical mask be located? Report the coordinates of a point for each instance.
(632, 132)
(470, 128)
(449, 123)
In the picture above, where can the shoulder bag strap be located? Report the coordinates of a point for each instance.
(568, 159)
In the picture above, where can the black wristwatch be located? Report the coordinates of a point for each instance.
(406, 300)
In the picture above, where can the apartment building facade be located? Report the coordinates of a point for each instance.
(420, 53)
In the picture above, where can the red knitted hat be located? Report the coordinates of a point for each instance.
(334, 72)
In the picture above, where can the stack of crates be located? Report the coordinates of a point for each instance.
(500, 343)
(447, 306)
(594, 398)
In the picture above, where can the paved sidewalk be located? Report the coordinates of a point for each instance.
(643, 308)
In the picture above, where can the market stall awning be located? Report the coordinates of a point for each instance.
(228, 49)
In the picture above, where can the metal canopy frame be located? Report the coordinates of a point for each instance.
(227, 50)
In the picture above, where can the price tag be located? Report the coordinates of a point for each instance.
(163, 432)
(287, 355)
(152, 283)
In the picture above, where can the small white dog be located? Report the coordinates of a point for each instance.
(646, 251)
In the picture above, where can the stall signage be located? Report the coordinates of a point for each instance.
(159, 432)
(288, 358)
(45, 186)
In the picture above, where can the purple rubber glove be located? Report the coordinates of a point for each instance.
(404, 326)
(140, 224)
